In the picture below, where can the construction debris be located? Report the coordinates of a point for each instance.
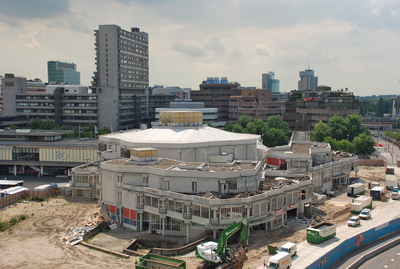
(75, 235)
(337, 155)
(248, 194)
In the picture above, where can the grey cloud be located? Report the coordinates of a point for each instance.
(215, 45)
(236, 53)
(26, 9)
(192, 51)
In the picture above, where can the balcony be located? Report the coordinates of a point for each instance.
(214, 221)
(140, 206)
(162, 210)
(187, 216)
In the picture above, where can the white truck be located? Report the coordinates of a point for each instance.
(391, 181)
(282, 260)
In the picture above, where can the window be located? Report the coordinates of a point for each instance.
(145, 181)
(194, 186)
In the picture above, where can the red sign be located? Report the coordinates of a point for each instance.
(293, 205)
(278, 211)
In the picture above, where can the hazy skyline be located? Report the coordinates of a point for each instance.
(351, 44)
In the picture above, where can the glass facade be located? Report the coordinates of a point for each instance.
(63, 72)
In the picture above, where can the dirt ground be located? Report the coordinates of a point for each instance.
(37, 241)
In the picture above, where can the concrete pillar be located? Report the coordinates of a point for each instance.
(215, 235)
(266, 226)
(188, 209)
(187, 232)
(163, 226)
(41, 170)
(248, 212)
(141, 221)
(120, 218)
(15, 169)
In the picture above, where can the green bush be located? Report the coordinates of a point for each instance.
(22, 217)
(13, 221)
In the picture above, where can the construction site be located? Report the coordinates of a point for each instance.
(60, 231)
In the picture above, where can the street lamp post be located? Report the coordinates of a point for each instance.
(347, 143)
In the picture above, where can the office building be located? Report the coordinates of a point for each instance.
(182, 94)
(307, 82)
(323, 104)
(61, 72)
(215, 93)
(270, 83)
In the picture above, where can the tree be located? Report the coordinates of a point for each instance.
(13, 127)
(319, 132)
(332, 142)
(380, 109)
(104, 131)
(354, 126)
(238, 128)
(244, 120)
(228, 127)
(337, 128)
(257, 126)
(275, 137)
(363, 144)
(35, 123)
(276, 122)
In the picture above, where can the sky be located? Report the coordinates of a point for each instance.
(349, 44)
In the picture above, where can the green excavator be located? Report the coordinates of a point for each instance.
(220, 255)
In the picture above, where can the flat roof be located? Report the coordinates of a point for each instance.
(66, 142)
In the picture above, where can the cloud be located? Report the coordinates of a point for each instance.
(215, 45)
(262, 50)
(236, 53)
(30, 41)
(28, 9)
(190, 50)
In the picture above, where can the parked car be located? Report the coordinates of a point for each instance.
(290, 248)
(365, 214)
(354, 221)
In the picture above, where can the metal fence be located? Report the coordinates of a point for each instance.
(10, 199)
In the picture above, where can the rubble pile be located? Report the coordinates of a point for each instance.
(248, 194)
(337, 155)
(75, 235)
(356, 180)
(210, 195)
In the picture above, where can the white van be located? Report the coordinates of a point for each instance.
(290, 248)
(281, 260)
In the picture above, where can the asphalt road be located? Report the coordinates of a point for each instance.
(33, 181)
(352, 257)
(389, 259)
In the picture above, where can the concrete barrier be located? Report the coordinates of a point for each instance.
(373, 253)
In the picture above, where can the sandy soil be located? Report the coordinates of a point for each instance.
(37, 241)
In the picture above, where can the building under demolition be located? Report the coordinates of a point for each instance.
(190, 196)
